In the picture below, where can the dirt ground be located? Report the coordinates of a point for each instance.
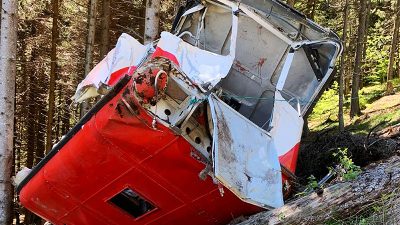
(316, 152)
(386, 102)
(382, 141)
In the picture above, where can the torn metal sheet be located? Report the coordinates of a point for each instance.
(245, 159)
(202, 67)
(123, 59)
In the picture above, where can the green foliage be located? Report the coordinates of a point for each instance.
(377, 59)
(327, 106)
(348, 170)
(281, 216)
(312, 182)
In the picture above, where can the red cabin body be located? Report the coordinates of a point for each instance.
(114, 151)
(201, 126)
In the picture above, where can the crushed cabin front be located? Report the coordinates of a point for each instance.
(200, 128)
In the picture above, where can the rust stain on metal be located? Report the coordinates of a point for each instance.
(225, 140)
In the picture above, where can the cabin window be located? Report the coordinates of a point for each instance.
(132, 203)
(303, 82)
(209, 29)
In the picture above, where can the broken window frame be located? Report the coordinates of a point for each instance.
(325, 76)
(139, 205)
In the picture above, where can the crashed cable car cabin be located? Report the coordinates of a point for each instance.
(200, 127)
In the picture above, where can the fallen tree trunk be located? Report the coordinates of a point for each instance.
(390, 132)
(341, 200)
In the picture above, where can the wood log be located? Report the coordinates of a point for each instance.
(340, 200)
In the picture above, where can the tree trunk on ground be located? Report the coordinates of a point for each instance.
(59, 115)
(152, 22)
(36, 126)
(89, 47)
(393, 49)
(52, 82)
(8, 49)
(350, 59)
(340, 200)
(105, 29)
(342, 67)
(31, 124)
(398, 57)
(142, 24)
(355, 103)
(346, 84)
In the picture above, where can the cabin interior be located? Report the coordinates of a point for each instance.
(250, 86)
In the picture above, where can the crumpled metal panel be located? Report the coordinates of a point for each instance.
(245, 160)
(127, 55)
(201, 66)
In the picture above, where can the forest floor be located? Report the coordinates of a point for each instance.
(369, 138)
(377, 109)
(377, 130)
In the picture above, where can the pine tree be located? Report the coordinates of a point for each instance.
(8, 49)
(152, 23)
(393, 49)
(355, 103)
(342, 65)
(89, 47)
(52, 82)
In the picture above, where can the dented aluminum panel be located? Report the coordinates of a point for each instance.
(245, 160)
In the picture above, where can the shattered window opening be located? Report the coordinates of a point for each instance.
(131, 203)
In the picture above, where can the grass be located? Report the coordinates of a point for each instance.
(384, 119)
(376, 107)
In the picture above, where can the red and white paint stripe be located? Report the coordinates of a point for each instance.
(287, 127)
